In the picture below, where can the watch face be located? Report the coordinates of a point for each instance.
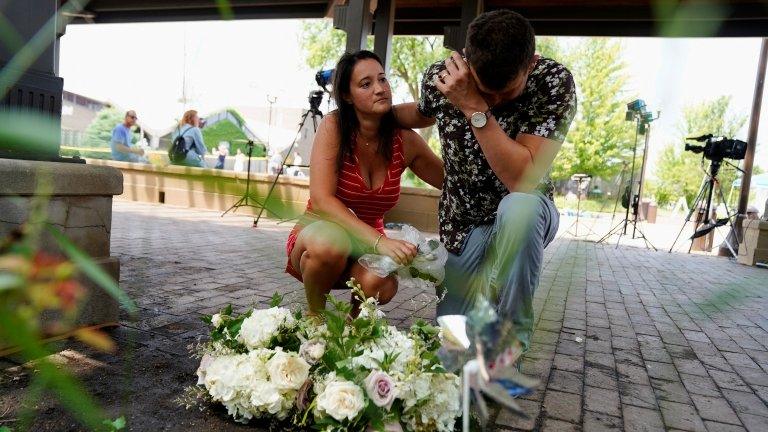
(478, 119)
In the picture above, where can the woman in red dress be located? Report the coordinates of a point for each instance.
(357, 159)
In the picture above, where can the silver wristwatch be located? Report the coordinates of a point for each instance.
(479, 119)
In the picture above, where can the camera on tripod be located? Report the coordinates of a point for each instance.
(718, 148)
(315, 99)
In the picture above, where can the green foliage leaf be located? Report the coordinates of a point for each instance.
(67, 389)
(10, 281)
(276, 300)
(117, 424)
(89, 267)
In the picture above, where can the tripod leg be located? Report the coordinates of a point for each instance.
(645, 239)
(285, 159)
(730, 224)
(702, 190)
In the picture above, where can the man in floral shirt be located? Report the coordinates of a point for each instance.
(502, 113)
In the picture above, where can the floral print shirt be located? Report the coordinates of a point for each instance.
(471, 191)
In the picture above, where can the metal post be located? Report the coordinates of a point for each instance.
(382, 38)
(754, 123)
(470, 9)
(640, 215)
(355, 19)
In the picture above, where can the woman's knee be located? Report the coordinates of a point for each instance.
(327, 244)
(383, 289)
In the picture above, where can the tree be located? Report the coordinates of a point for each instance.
(99, 132)
(680, 172)
(411, 55)
(599, 138)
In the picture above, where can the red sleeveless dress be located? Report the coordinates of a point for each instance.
(369, 205)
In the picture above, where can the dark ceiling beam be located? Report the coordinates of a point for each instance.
(206, 14)
(152, 5)
(753, 28)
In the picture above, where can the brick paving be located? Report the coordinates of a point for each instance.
(626, 339)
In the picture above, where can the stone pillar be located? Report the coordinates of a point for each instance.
(79, 204)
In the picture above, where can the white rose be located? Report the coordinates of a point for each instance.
(259, 328)
(216, 320)
(341, 400)
(287, 371)
(381, 389)
(265, 396)
(312, 351)
(205, 363)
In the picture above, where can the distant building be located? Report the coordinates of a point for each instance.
(77, 112)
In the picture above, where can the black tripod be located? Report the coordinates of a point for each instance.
(621, 228)
(707, 190)
(582, 182)
(315, 98)
(243, 202)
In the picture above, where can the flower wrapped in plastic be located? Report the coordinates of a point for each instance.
(425, 271)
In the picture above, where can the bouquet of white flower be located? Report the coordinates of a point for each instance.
(344, 375)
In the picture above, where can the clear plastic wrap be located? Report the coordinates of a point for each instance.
(428, 265)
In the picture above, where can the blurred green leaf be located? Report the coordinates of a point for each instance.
(28, 54)
(676, 18)
(116, 424)
(86, 265)
(11, 38)
(10, 281)
(68, 390)
(225, 9)
(28, 132)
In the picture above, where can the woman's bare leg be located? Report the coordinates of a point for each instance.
(320, 254)
(384, 289)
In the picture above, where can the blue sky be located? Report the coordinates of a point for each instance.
(143, 66)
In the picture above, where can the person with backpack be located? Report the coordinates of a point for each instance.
(188, 147)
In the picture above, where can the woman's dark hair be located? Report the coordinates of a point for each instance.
(500, 45)
(348, 122)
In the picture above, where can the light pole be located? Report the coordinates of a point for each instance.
(271, 100)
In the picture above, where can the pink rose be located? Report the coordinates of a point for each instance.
(393, 426)
(381, 389)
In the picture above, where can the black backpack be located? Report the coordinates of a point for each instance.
(178, 151)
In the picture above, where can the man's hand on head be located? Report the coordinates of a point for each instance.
(458, 85)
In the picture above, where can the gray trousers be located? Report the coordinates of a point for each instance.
(502, 261)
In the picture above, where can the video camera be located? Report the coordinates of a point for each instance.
(324, 77)
(718, 148)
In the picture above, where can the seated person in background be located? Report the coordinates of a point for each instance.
(189, 128)
(357, 159)
(221, 155)
(121, 143)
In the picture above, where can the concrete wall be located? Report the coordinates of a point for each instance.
(218, 190)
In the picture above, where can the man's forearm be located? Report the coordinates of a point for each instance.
(122, 148)
(510, 160)
(408, 116)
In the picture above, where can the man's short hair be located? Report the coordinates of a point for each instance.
(500, 44)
